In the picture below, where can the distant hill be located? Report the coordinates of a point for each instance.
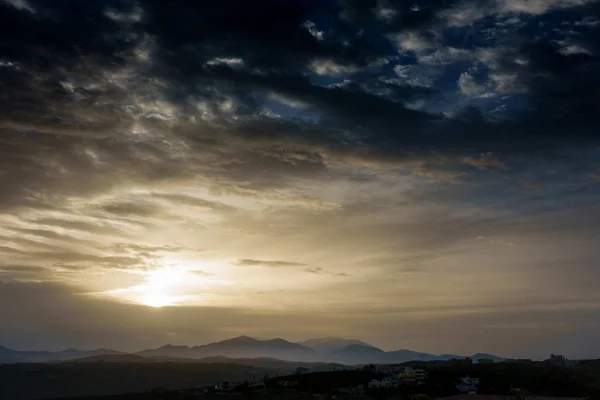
(113, 358)
(478, 356)
(65, 380)
(239, 347)
(330, 345)
(10, 356)
(324, 350)
(358, 354)
(280, 367)
(400, 356)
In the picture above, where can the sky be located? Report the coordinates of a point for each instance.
(420, 175)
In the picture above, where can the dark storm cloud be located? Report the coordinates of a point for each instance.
(59, 155)
(268, 263)
(274, 47)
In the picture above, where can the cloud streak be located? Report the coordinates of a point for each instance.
(268, 263)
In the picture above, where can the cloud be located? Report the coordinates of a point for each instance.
(23, 269)
(439, 174)
(131, 247)
(446, 55)
(484, 161)
(131, 209)
(468, 12)
(201, 273)
(412, 41)
(317, 271)
(468, 86)
(268, 263)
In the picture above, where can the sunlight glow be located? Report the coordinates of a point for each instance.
(174, 280)
(160, 283)
(157, 299)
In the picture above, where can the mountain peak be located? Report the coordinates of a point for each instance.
(69, 350)
(277, 340)
(330, 345)
(359, 348)
(334, 340)
(173, 347)
(5, 349)
(240, 340)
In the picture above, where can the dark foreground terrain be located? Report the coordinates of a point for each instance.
(139, 381)
(39, 381)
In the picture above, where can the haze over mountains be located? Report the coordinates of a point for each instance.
(336, 350)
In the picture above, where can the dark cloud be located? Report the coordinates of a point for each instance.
(273, 48)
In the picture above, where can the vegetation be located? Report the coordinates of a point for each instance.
(32, 381)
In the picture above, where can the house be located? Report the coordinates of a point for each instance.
(384, 383)
(468, 385)
(420, 375)
(405, 375)
(408, 374)
(228, 386)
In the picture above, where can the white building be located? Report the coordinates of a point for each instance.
(384, 383)
(420, 375)
(468, 385)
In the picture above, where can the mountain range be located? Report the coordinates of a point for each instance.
(334, 350)
(14, 356)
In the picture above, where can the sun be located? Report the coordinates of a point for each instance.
(157, 300)
(157, 290)
(174, 283)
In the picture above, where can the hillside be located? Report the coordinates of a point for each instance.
(327, 350)
(329, 345)
(38, 381)
(280, 367)
(240, 347)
